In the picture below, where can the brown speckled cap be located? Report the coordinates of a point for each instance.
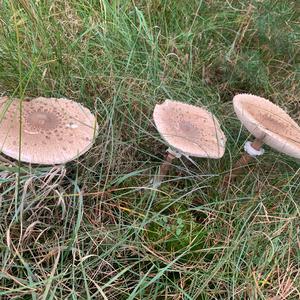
(268, 123)
(189, 129)
(53, 131)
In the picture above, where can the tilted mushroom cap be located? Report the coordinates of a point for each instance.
(53, 131)
(269, 123)
(189, 129)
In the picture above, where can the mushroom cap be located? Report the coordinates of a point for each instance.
(189, 129)
(268, 123)
(53, 131)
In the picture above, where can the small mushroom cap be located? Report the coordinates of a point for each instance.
(53, 131)
(269, 123)
(189, 129)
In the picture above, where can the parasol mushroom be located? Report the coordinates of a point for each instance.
(188, 130)
(269, 124)
(52, 131)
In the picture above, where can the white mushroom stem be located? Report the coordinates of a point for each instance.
(252, 150)
(165, 167)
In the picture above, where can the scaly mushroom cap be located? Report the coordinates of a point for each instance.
(269, 123)
(189, 129)
(53, 131)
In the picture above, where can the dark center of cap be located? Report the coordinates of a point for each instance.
(188, 128)
(42, 120)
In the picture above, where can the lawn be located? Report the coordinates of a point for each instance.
(96, 228)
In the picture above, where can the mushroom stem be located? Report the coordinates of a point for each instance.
(239, 166)
(163, 169)
(257, 144)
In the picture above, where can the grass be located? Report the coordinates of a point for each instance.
(94, 229)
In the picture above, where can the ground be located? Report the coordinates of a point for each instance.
(95, 228)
